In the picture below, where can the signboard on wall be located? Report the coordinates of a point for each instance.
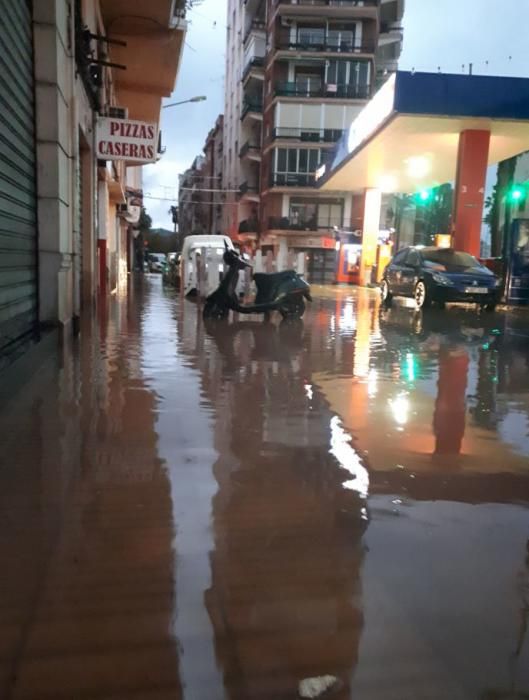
(126, 139)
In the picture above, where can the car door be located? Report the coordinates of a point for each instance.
(409, 272)
(395, 270)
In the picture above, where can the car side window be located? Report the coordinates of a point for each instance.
(400, 257)
(413, 259)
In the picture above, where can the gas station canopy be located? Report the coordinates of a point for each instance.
(407, 137)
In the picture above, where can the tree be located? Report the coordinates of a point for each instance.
(145, 223)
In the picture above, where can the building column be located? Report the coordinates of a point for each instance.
(370, 231)
(472, 163)
(55, 155)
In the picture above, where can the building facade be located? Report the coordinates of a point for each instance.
(200, 195)
(67, 216)
(298, 72)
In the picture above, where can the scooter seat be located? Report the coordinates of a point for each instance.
(266, 280)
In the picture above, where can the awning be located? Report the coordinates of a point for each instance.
(407, 136)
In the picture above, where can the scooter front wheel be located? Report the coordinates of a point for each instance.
(292, 307)
(214, 311)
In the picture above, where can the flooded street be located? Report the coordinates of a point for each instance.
(222, 512)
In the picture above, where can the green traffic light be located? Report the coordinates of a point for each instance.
(425, 195)
(516, 195)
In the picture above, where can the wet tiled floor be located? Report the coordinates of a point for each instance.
(221, 512)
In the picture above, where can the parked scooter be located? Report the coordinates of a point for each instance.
(282, 291)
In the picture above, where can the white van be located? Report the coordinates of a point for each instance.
(202, 263)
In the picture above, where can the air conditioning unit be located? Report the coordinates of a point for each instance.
(118, 112)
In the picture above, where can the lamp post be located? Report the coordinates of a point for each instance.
(197, 98)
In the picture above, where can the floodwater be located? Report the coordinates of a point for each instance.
(224, 512)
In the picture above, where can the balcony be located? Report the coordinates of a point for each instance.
(254, 64)
(257, 25)
(249, 226)
(252, 107)
(340, 91)
(283, 223)
(347, 9)
(292, 180)
(249, 191)
(250, 150)
(285, 42)
(307, 135)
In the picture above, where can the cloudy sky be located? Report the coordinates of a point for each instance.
(446, 34)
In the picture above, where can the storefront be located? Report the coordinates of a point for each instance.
(18, 208)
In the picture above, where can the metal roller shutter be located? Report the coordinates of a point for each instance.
(18, 209)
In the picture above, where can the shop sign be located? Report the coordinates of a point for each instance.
(126, 139)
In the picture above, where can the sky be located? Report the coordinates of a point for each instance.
(438, 34)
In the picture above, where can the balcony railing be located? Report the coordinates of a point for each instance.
(247, 188)
(283, 223)
(249, 226)
(251, 106)
(255, 26)
(308, 135)
(338, 91)
(330, 3)
(292, 180)
(255, 62)
(249, 148)
(327, 45)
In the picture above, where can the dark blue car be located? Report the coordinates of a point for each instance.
(439, 275)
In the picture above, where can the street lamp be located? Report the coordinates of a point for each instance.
(198, 98)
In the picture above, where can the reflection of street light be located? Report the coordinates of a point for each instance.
(197, 98)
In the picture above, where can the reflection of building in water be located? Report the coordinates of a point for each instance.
(450, 404)
(90, 540)
(285, 595)
(436, 384)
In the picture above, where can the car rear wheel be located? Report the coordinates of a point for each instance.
(385, 293)
(490, 307)
(421, 296)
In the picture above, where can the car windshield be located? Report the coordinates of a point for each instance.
(447, 257)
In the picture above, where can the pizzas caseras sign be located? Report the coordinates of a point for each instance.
(126, 139)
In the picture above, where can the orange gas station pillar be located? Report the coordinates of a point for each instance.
(472, 163)
(370, 232)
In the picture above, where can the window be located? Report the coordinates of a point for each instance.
(446, 256)
(400, 257)
(413, 259)
(352, 74)
(296, 166)
(309, 214)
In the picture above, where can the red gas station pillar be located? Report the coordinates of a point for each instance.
(472, 163)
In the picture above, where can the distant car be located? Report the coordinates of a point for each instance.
(157, 262)
(171, 273)
(439, 275)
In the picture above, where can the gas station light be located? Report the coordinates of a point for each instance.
(424, 196)
(516, 193)
(418, 166)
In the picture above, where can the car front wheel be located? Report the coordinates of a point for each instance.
(421, 296)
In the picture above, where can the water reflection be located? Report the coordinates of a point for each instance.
(283, 611)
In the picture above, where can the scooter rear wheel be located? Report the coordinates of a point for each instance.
(293, 307)
(214, 311)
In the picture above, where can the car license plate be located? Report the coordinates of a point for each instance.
(476, 290)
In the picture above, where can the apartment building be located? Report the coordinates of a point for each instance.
(298, 72)
(200, 195)
(67, 210)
